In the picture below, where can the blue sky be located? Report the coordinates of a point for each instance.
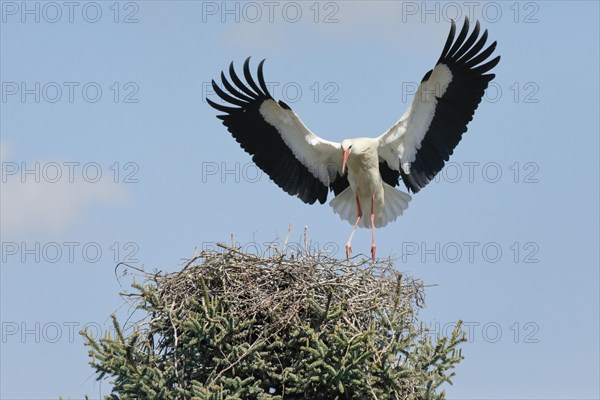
(103, 104)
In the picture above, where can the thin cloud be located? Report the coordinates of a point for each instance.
(31, 206)
(260, 28)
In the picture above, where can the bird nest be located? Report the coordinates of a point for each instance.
(280, 289)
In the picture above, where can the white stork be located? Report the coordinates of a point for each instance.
(363, 172)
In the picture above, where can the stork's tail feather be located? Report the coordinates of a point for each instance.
(344, 204)
(395, 204)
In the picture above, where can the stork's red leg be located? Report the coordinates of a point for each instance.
(349, 244)
(373, 228)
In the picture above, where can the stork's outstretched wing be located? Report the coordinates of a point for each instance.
(420, 143)
(297, 160)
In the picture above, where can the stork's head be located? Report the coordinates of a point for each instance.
(347, 149)
(356, 148)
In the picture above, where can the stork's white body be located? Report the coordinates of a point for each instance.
(415, 148)
(366, 190)
(367, 187)
(365, 179)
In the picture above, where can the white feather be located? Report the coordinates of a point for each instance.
(395, 204)
(344, 204)
(400, 143)
(323, 158)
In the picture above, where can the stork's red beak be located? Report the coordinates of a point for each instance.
(344, 161)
